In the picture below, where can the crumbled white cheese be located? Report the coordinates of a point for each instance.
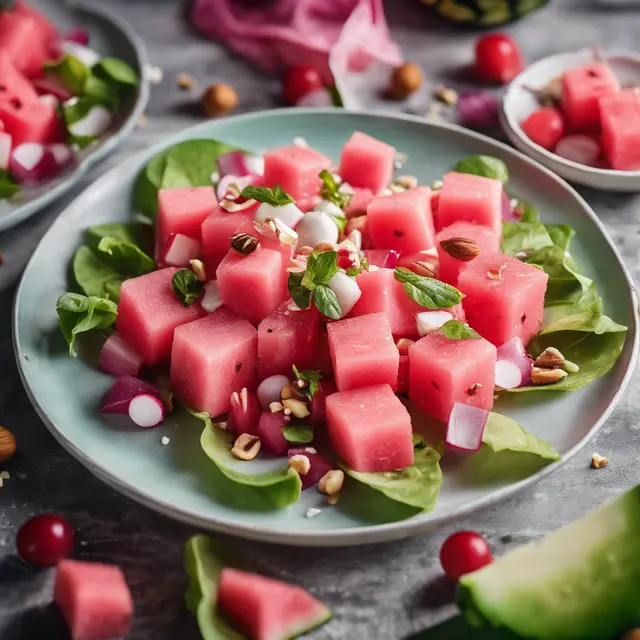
(299, 141)
(312, 512)
(165, 441)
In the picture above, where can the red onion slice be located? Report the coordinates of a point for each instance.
(94, 124)
(477, 109)
(319, 465)
(391, 261)
(241, 181)
(62, 154)
(245, 412)
(270, 390)
(78, 35)
(32, 162)
(514, 351)
(238, 164)
(119, 358)
(50, 85)
(579, 148)
(465, 428)
(123, 391)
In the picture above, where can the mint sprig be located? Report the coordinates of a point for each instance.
(428, 292)
(456, 330)
(276, 197)
(312, 376)
(331, 190)
(326, 302)
(186, 286)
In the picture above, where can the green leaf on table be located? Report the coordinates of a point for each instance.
(70, 71)
(298, 435)
(186, 286)
(331, 191)
(80, 314)
(276, 197)
(299, 293)
(125, 257)
(485, 166)
(428, 292)
(312, 377)
(8, 186)
(117, 71)
(95, 277)
(456, 330)
(416, 486)
(326, 302)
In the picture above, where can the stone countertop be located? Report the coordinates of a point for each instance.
(381, 591)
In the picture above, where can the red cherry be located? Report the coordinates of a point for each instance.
(544, 127)
(498, 58)
(45, 540)
(299, 81)
(464, 552)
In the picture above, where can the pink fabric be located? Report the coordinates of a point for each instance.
(276, 34)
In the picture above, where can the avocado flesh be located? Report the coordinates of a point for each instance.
(582, 581)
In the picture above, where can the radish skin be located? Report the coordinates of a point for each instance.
(270, 389)
(465, 428)
(508, 374)
(119, 358)
(146, 411)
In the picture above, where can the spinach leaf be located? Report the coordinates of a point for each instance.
(8, 186)
(70, 71)
(117, 71)
(486, 166)
(73, 113)
(504, 434)
(456, 330)
(125, 257)
(131, 232)
(427, 292)
(186, 286)
(279, 488)
(79, 314)
(101, 92)
(417, 486)
(298, 435)
(311, 376)
(95, 277)
(276, 197)
(326, 302)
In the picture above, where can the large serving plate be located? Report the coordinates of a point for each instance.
(109, 35)
(178, 479)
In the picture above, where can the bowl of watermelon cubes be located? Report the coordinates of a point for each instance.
(579, 114)
(310, 344)
(71, 87)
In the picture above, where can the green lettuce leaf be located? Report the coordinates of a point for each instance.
(70, 71)
(505, 434)
(125, 257)
(486, 166)
(116, 71)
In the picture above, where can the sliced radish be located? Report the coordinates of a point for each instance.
(124, 389)
(391, 261)
(514, 351)
(94, 123)
(245, 412)
(5, 149)
(181, 250)
(50, 85)
(87, 56)
(315, 227)
(211, 301)
(319, 465)
(222, 189)
(255, 164)
(32, 162)
(78, 35)
(146, 411)
(508, 374)
(270, 389)
(465, 428)
(347, 291)
(579, 148)
(288, 213)
(318, 98)
(239, 164)
(62, 154)
(49, 100)
(119, 358)
(430, 321)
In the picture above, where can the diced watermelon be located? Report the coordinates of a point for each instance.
(94, 599)
(13, 84)
(148, 313)
(319, 401)
(582, 89)
(213, 357)
(267, 609)
(32, 122)
(47, 30)
(296, 170)
(270, 432)
(322, 356)
(512, 304)
(620, 121)
(361, 224)
(367, 163)
(182, 210)
(245, 412)
(435, 204)
(363, 352)
(21, 38)
(469, 198)
(448, 267)
(181, 250)
(377, 257)
(5, 149)
(443, 372)
(287, 338)
(403, 374)
(370, 429)
(359, 202)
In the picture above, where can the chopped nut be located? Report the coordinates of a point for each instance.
(244, 243)
(403, 344)
(221, 425)
(570, 367)
(494, 274)
(423, 268)
(165, 441)
(437, 184)
(218, 99)
(305, 251)
(446, 94)
(334, 499)
(312, 512)
(154, 73)
(142, 120)
(598, 461)
(198, 268)
(246, 447)
(546, 376)
(297, 407)
(300, 463)
(7, 444)
(473, 389)
(287, 392)
(405, 79)
(331, 482)
(244, 399)
(322, 247)
(408, 182)
(550, 358)
(463, 249)
(274, 407)
(287, 411)
(281, 231)
(185, 81)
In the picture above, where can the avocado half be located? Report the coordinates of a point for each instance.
(582, 581)
(484, 12)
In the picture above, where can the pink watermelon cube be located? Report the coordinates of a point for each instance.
(379, 257)
(504, 297)
(182, 210)
(296, 170)
(582, 89)
(620, 121)
(213, 357)
(360, 200)
(270, 432)
(13, 84)
(322, 357)
(448, 267)
(286, 338)
(255, 285)
(370, 429)
(367, 163)
(471, 199)
(402, 221)
(403, 374)
(363, 352)
(148, 313)
(94, 599)
(29, 122)
(360, 224)
(443, 372)
(21, 38)
(45, 26)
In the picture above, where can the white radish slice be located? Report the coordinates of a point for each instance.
(94, 124)
(32, 162)
(5, 149)
(347, 291)
(318, 98)
(465, 428)
(508, 374)
(255, 164)
(430, 321)
(315, 227)
(49, 100)
(87, 56)
(240, 181)
(356, 237)
(211, 301)
(269, 390)
(146, 411)
(288, 213)
(62, 154)
(514, 351)
(181, 250)
(579, 148)
(119, 358)
(330, 207)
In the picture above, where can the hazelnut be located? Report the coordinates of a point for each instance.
(7, 444)
(405, 79)
(219, 99)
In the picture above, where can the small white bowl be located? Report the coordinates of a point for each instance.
(519, 102)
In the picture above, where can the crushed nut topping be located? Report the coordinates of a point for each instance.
(570, 367)
(331, 482)
(446, 94)
(185, 81)
(198, 268)
(598, 461)
(300, 463)
(334, 499)
(546, 376)
(246, 447)
(550, 358)
(297, 407)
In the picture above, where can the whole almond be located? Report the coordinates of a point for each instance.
(462, 249)
(546, 376)
(550, 358)
(423, 269)
(7, 444)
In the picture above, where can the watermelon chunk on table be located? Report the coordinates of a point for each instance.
(287, 338)
(25, 41)
(443, 372)
(211, 358)
(253, 285)
(29, 122)
(13, 84)
(504, 307)
(402, 221)
(94, 599)
(469, 198)
(148, 313)
(268, 609)
(448, 267)
(620, 122)
(367, 163)
(582, 89)
(296, 170)
(370, 429)
(363, 352)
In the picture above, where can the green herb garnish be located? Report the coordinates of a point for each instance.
(485, 166)
(312, 377)
(298, 435)
(71, 72)
(276, 197)
(428, 292)
(331, 191)
(456, 330)
(186, 286)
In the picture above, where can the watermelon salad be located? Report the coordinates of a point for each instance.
(336, 319)
(57, 96)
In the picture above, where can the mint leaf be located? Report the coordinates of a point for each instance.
(125, 257)
(428, 292)
(115, 70)
(331, 190)
(8, 186)
(276, 197)
(326, 302)
(70, 71)
(456, 330)
(186, 286)
(79, 314)
(298, 435)
(299, 293)
(312, 376)
(321, 267)
(485, 166)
